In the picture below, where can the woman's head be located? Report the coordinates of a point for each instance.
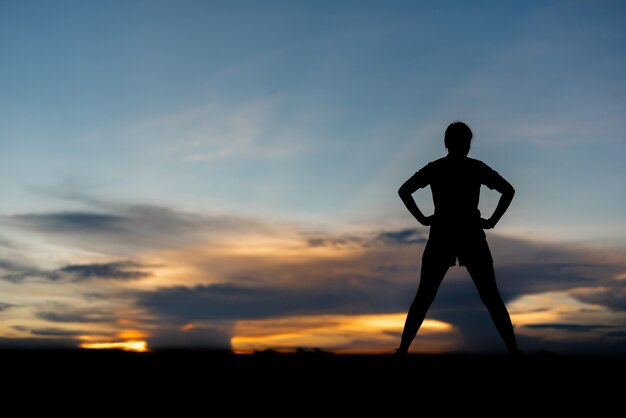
(458, 138)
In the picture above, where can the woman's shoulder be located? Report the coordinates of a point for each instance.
(478, 164)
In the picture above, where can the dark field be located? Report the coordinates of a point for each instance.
(538, 382)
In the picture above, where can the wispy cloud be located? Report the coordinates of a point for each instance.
(51, 332)
(216, 130)
(569, 327)
(69, 222)
(119, 270)
(18, 272)
(67, 314)
(118, 228)
(612, 295)
(409, 236)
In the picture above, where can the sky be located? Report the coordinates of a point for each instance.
(224, 174)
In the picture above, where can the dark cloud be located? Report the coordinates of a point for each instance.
(5, 306)
(69, 222)
(52, 332)
(120, 229)
(336, 241)
(569, 327)
(539, 277)
(317, 242)
(119, 270)
(612, 296)
(408, 236)
(122, 270)
(65, 314)
(18, 272)
(227, 301)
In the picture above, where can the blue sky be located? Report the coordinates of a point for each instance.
(268, 123)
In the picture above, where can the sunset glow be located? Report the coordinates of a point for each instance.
(136, 346)
(337, 333)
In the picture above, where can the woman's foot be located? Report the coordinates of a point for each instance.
(400, 352)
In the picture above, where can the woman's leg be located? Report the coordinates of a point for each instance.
(432, 275)
(484, 278)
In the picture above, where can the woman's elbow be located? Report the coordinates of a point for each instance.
(510, 192)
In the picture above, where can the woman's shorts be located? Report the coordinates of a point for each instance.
(447, 251)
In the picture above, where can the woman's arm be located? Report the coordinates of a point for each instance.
(406, 194)
(507, 192)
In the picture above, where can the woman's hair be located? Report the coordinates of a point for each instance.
(458, 136)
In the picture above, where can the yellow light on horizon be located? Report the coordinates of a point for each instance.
(136, 346)
(394, 322)
(338, 333)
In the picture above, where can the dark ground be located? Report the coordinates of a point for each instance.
(265, 381)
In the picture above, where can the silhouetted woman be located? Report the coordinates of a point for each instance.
(456, 230)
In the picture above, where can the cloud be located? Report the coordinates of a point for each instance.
(226, 301)
(17, 272)
(119, 270)
(213, 268)
(118, 229)
(123, 270)
(569, 327)
(9, 244)
(66, 314)
(69, 222)
(612, 297)
(404, 236)
(409, 236)
(309, 291)
(352, 293)
(215, 131)
(5, 306)
(352, 274)
(51, 332)
(340, 241)
(547, 276)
